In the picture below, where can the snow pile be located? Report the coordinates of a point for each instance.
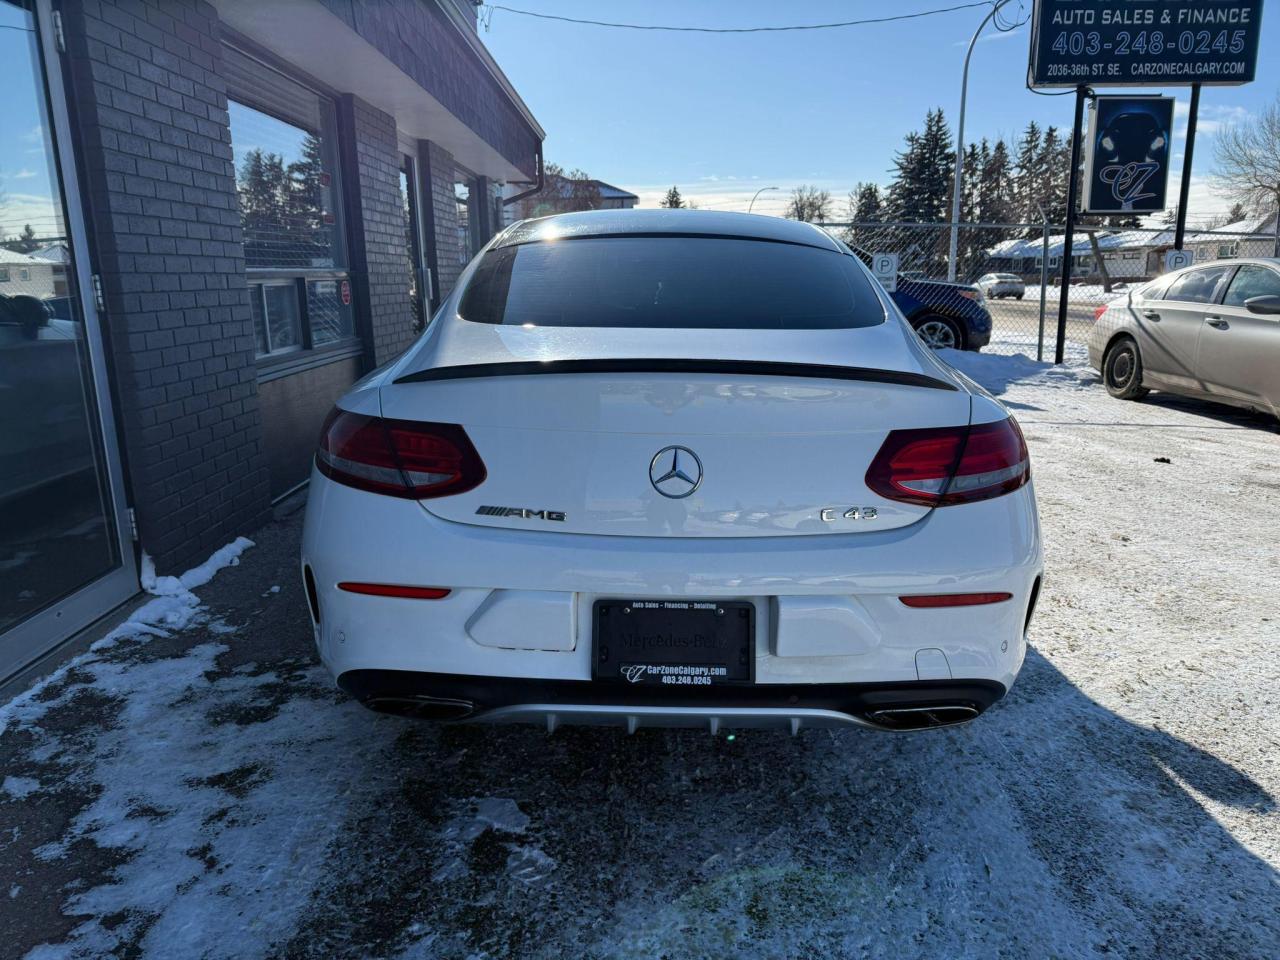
(175, 607)
(997, 372)
(1080, 292)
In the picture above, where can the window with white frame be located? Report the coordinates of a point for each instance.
(284, 144)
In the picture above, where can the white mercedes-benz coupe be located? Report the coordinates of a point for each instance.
(671, 468)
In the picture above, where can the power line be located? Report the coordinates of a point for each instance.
(490, 7)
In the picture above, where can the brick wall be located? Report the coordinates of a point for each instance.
(419, 38)
(445, 207)
(151, 116)
(379, 232)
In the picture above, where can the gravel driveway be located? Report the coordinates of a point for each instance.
(197, 788)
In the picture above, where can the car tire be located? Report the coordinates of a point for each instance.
(1018, 295)
(1122, 370)
(938, 332)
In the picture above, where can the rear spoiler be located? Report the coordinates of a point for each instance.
(754, 368)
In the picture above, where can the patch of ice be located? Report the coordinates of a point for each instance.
(529, 864)
(20, 787)
(19, 559)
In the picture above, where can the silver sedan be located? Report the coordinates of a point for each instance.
(997, 285)
(1210, 331)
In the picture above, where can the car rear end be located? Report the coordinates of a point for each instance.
(569, 503)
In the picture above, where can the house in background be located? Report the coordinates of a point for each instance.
(257, 203)
(24, 274)
(561, 194)
(1251, 237)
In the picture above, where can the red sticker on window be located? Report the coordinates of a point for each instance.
(344, 291)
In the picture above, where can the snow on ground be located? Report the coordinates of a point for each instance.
(197, 789)
(1081, 292)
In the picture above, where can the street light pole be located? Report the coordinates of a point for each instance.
(757, 193)
(955, 184)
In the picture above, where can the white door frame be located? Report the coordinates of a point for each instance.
(34, 637)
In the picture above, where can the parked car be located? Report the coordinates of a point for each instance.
(944, 314)
(996, 286)
(1209, 331)
(684, 468)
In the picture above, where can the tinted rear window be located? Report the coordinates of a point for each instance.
(672, 282)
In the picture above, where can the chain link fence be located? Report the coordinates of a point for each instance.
(1011, 272)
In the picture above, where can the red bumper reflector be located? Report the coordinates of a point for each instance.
(394, 590)
(954, 599)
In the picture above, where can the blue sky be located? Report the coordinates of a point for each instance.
(24, 169)
(721, 115)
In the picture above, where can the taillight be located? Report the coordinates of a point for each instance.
(399, 458)
(944, 466)
(1097, 314)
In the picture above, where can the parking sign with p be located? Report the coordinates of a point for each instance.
(885, 268)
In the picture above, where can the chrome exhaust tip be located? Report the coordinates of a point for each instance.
(922, 718)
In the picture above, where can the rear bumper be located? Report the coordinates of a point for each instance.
(887, 706)
(827, 608)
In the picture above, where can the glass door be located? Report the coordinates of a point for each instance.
(64, 557)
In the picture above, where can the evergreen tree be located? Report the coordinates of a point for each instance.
(24, 242)
(921, 189)
(673, 200)
(261, 188)
(971, 240)
(867, 202)
(1051, 177)
(1237, 212)
(304, 202)
(1026, 170)
(865, 205)
(996, 188)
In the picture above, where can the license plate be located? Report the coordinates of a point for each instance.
(673, 643)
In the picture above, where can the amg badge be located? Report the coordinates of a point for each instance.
(522, 512)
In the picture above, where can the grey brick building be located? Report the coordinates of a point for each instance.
(254, 204)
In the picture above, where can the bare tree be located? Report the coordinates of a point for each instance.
(561, 193)
(809, 204)
(1247, 163)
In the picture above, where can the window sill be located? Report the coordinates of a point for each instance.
(285, 365)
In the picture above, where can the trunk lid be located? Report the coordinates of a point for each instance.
(773, 439)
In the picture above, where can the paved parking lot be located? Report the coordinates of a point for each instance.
(203, 792)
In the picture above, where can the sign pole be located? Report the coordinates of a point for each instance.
(1181, 228)
(1072, 198)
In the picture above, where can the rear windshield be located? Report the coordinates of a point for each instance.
(705, 282)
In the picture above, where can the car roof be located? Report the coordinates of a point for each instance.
(706, 223)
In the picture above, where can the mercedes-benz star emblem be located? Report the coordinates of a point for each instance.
(675, 472)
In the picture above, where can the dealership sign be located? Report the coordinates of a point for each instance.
(1126, 161)
(1144, 42)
